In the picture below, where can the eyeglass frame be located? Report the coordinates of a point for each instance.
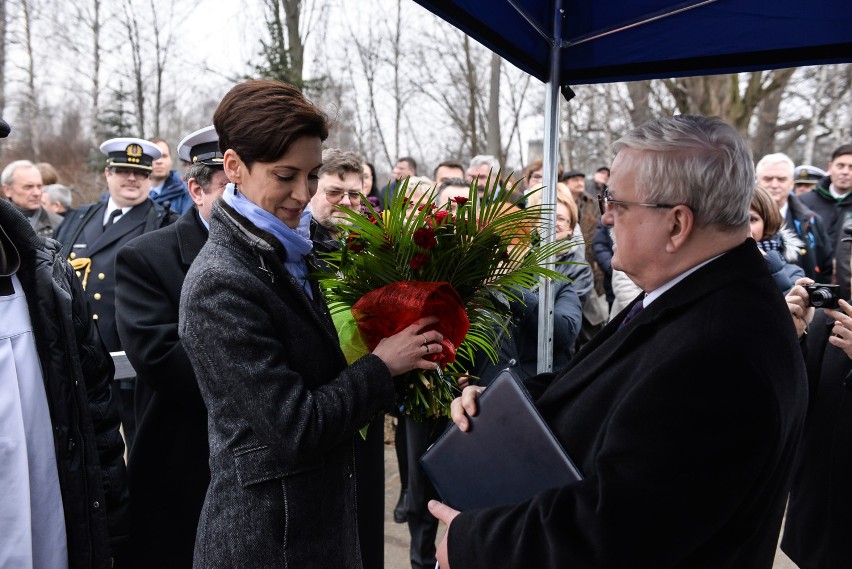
(353, 196)
(604, 200)
(124, 172)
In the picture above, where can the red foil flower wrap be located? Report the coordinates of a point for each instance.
(385, 311)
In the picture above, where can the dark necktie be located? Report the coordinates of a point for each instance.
(637, 308)
(111, 219)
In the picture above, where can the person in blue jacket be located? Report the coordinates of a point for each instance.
(167, 187)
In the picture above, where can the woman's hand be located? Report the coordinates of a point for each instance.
(842, 330)
(465, 405)
(798, 303)
(407, 350)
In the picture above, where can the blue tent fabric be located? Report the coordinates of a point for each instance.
(724, 36)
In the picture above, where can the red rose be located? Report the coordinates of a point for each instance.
(441, 217)
(425, 238)
(354, 242)
(418, 260)
(461, 200)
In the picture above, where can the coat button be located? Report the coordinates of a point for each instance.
(97, 296)
(94, 316)
(513, 362)
(101, 276)
(72, 256)
(78, 273)
(96, 504)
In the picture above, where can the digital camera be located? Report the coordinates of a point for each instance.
(822, 295)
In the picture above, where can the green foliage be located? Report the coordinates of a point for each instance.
(488, 250)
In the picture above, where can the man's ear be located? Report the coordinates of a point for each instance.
(234, 166)
(681, 220)
(195, 191)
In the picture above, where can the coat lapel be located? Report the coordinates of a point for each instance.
(125, 224)
(192, 235)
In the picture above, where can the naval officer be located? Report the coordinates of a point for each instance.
(92, 237)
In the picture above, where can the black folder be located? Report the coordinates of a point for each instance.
(507, 455)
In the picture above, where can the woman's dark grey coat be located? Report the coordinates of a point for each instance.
(283, 407)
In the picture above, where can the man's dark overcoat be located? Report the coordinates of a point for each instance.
(684, 423)
(168, 471)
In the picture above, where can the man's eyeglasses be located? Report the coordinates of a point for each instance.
(604, 201)
(335, 196)
(126, 172)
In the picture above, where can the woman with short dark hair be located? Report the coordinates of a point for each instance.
(283, 405)
(779, 245)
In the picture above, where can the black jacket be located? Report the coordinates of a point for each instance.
(834, 214)
(167, 470)
(816, 533)
(816, 253)
(77, 371)
(684, 424)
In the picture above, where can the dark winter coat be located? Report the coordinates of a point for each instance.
(519, 343)
(167, 470)
(174, 195)
(818, 527)
(834, 214)
(684, 424)
(283, 407)
(816, 252)
(77, 371)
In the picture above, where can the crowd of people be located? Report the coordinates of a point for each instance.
(694, 385)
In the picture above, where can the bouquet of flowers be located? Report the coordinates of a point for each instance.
(462, 262)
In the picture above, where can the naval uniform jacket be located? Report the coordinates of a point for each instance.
(83, 236)
(167, 470)
(283, 407)
(684, 424)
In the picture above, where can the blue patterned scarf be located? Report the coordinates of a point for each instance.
(296, 242)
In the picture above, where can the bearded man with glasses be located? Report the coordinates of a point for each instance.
(95, 232)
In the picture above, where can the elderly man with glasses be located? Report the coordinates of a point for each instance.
(684, 413)
(93, 234)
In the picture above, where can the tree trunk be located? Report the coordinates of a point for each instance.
(30, 106)
(2, 57)
(493, 145)
(470, 76)
(640, 99)
(295, 47)
(96, 62)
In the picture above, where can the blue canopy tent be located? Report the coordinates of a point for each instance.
(564, 42)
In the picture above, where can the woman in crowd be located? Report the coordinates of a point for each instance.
(283, 405)
(779, 245)
(519, 340)
(370, 187)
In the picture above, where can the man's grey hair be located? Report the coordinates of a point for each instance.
(699, 161)
(341, 162)
(486, 159)
(777, 158)
(202, 174)
(8, 174)
(57, 193)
